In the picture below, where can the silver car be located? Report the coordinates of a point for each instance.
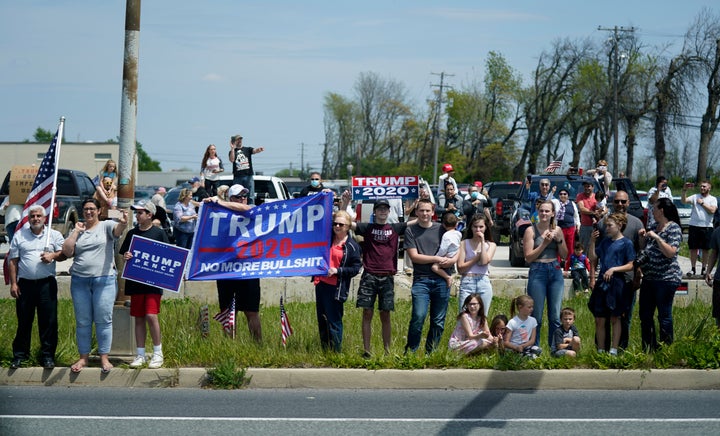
(684, 210)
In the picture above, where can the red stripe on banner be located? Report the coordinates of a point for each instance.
(310, 245)
(216, 250)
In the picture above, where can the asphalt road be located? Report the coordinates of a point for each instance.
(123, 411)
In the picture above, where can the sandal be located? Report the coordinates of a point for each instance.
(106, 368)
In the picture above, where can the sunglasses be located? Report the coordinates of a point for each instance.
(339, 224)
(239, 196)
(544, 184)
(620, 201)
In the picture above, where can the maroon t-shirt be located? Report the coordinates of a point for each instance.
(380, 246)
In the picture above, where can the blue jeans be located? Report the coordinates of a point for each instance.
(93, 299)
(655, 294)
(433, 293)
(247, 182)
(475, 285)
(183, 239)
(545, 282)
(329, 313)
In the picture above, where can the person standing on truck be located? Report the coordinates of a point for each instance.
(241, 158)
(315, 185)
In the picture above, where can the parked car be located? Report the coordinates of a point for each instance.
(501, 196)
(267, 188)
(684, 210)
(71, 189)
(643, 195)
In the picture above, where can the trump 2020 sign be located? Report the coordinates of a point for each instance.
(278, 239)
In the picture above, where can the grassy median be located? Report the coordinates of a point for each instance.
(697, 341)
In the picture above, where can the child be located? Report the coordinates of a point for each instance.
(616, 255)
(522, 328)
(497, 329)
(578, 264)
(471, 332)
(534, 216)
(566, 340)
(601, 206)
(449, 245)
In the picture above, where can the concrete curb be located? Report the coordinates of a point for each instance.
(331, 378)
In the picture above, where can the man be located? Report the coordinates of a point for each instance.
(589, 214)
(660, 190)
(632, 232)
(241, 157)
(429, 290)
(160, 216)
(451, 202)
(704, 206)
(144, 299)
(315, 185)
(198, 191)
(159, 198)
(245, 292)
(477, 203)
(448, 176)
(33, 285)
(379, 256)
(544, 194)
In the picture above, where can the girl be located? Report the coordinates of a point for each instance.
(471, 332)
(109, 170)
(616, 255)
(210, 168)
(497, 329)
(476, 252)
(106, 195)
(544, 244)
(521, 330)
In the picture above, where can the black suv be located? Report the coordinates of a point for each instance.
(573, 183)
(501, 196)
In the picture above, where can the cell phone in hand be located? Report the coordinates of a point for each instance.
(689, 185)
(115, 214)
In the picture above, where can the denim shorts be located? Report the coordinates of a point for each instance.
(376, 286)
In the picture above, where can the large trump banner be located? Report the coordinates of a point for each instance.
(278, 239)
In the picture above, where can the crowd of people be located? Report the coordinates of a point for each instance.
(444, 240)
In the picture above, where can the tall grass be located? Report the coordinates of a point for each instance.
(697, 342)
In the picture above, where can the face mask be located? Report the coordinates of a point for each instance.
(314, 183)
(474, 195)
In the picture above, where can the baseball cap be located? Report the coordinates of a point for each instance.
(237, 190)
(144, 205)
(478, 183)
(381, 202)
(447, 168)
(193, 180)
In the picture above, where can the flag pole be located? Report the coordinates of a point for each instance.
(61, 127)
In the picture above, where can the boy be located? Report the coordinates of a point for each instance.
(578, 264)
(449, 245)
(566, 340)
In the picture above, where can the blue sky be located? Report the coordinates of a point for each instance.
(210, 69)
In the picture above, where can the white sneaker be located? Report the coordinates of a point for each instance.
(138, 362)
(156, 361)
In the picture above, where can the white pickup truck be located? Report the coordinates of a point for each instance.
(267, 188)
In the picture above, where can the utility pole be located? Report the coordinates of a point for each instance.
(436, 122)
(616, 77)
(301, 174)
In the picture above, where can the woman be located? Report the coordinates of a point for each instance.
(210, 167)
(92, 281)
(331, 291)
(543, 242)
(567, 218)
(184, 219)
(661, 273)
(476, 252)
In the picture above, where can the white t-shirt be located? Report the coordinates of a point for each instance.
(450, 243)
(521, 329)
(699, 217)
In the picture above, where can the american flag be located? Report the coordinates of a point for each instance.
(42, 189)
(227, 318)
(284, 323)
(554, 165)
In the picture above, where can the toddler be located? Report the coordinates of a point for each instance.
(449, 245)
(578, 264)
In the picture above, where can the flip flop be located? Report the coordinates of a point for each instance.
(106, 369)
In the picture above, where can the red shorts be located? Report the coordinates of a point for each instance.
(144, 304)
